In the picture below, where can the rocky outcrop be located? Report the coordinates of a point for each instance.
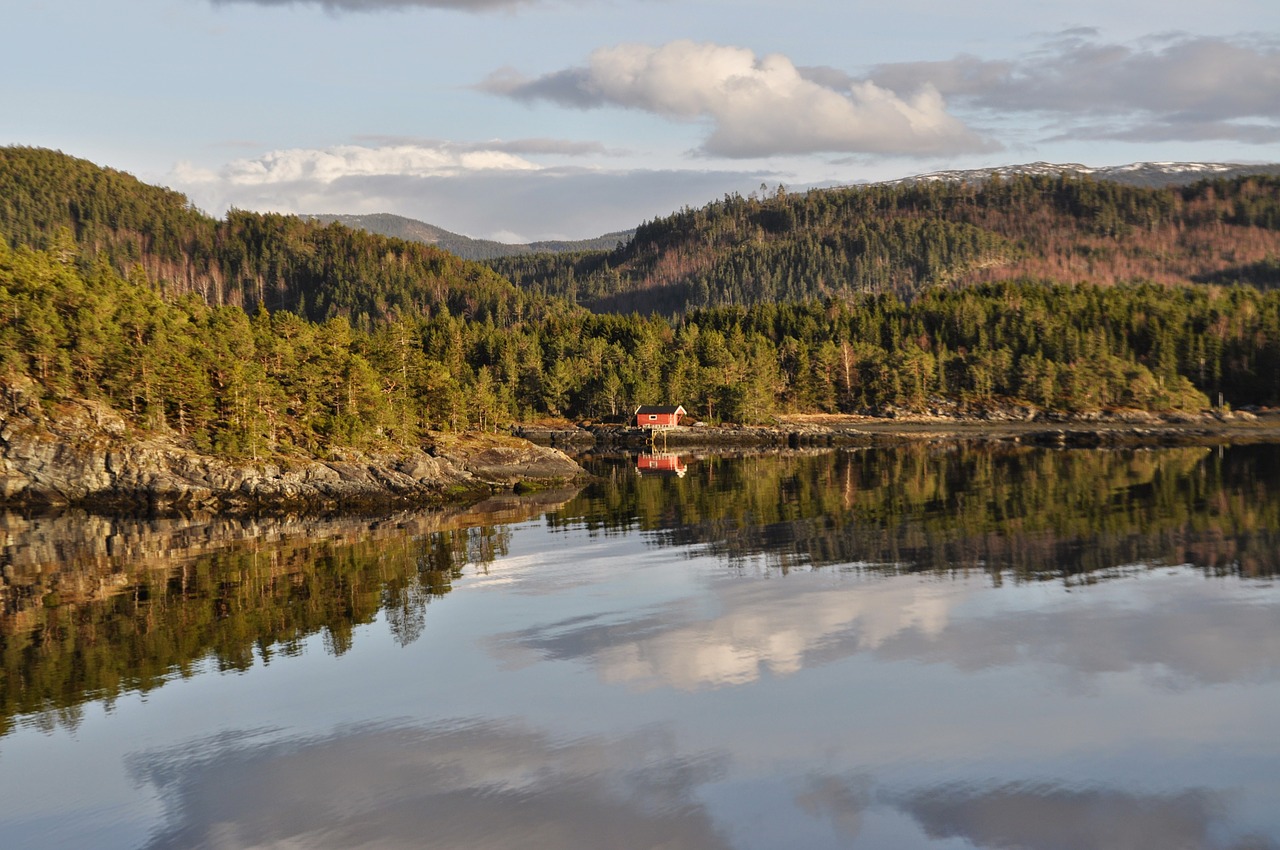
(82, 453)
(572, 437)
(507, 462)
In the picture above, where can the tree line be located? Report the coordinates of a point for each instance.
(252, 385)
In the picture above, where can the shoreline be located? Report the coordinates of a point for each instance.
(834, 430)
(84, 457)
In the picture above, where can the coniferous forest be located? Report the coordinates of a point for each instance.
(262, 333)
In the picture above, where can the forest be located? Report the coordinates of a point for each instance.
(903, 239)
(265, 334)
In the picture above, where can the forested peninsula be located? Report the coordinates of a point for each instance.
(266, 349)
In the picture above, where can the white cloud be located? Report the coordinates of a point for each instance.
(324, 166)
(757, 106)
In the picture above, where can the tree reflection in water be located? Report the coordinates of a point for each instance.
(96, 607)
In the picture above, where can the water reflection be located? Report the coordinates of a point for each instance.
(1175, 632)
(470, 785)
(1043, 816)
(96, 607)
(928, 647)
(498, 785)
(1011, 511)
(661, 463)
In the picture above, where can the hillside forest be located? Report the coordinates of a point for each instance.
(263, 333)
(844, 243)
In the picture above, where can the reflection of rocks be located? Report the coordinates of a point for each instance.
(82, 557)
(473, 786)
(85, 456)
(86, 597)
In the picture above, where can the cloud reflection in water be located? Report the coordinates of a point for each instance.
(476, 785)
(1049, 817)
(1181, 630)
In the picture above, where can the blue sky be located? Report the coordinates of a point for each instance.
(570, 118)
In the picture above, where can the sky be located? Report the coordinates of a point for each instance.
(564, 119)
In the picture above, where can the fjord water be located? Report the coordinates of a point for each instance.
(926, 646)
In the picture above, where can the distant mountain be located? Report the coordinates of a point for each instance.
(465, 247)
(1168, 223)
(1149, 175)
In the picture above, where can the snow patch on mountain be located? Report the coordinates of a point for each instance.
(1148, 174)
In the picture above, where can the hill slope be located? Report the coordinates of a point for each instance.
(905, 237)
(248, 260)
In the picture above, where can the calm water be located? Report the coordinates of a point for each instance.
(922, 647)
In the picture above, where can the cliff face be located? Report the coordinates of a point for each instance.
(82, 453)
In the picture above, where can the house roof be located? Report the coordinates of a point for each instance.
(646, 409)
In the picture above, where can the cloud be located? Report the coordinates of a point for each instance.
(756, 106)
(1183, 88)
(331, 164)
(490, 190)
(388, 5)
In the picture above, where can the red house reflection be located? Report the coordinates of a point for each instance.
(660, 463)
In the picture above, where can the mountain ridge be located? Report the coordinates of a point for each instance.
(1147, 175)
(1220, 224)
(465, 247)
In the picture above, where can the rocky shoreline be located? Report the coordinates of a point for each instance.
(1102, 428)
(82, 454)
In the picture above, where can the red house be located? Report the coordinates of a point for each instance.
(656, 417)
